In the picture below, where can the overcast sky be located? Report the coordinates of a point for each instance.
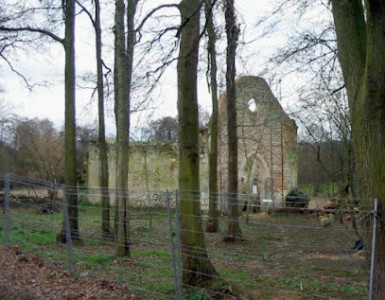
(46, 99)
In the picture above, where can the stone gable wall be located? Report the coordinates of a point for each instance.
(267, 140)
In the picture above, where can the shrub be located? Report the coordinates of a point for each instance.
(296, 198)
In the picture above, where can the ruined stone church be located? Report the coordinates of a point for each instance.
(267, 151)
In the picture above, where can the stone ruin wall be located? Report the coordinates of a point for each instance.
(267, 140)
(264, 135)
(153, 169)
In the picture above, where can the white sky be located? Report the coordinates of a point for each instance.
(48, 101)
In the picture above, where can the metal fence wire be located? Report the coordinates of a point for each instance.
(288, 251)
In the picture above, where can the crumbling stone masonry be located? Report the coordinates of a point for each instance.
(267, 152)
(267, 139)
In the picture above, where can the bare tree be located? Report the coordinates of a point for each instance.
(39, 150)
(70, 115)
(212, 223)
(197, 268)
(124, 51)
(325, 120)
(103, 159)
(106, 231)
(164, 129)
(234, 232)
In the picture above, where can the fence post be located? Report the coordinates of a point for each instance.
(373, 254)
(6, 209)
(178, 294)
(68, 235)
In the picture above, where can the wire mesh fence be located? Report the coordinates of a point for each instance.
(320, 250)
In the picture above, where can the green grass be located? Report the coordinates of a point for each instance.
(251, 264)
(146, 239)
(327, 188)
(152, 276)
(163, 255)
(165, 287)
(196, 294)
(97, 259)
(21, 234)
(264, 235)
(240, 257)
(237, 277)
(162, 281)
(310, 284)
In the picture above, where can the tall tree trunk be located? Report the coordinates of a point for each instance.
(361, 44)
(197, 268)
(101, 135)
(212, 223)
(116, 105)
(70, 115)
(234, 232)
(122, 127)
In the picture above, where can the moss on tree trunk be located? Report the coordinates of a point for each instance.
(70, 122)
(124, 50)
(197, 268)
(361, 44)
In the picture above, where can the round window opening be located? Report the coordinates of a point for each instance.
(252, 105)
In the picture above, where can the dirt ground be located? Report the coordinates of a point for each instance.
(282, 257)
(29, 277)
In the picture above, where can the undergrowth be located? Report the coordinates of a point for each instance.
(275, 254)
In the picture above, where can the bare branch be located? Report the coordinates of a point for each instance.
(35, 30)
(338, 89)
(84, 9)
(145, 19)
(29, 86)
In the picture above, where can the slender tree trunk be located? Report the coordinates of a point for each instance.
(361, 44)
(101, 135)
(212, 223)
(122, 126)
(197, 268)
(124, 59)
(117, 44)
(70, 123)
(234, 232)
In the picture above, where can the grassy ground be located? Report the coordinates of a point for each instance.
(325, 189)
(283, 256)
